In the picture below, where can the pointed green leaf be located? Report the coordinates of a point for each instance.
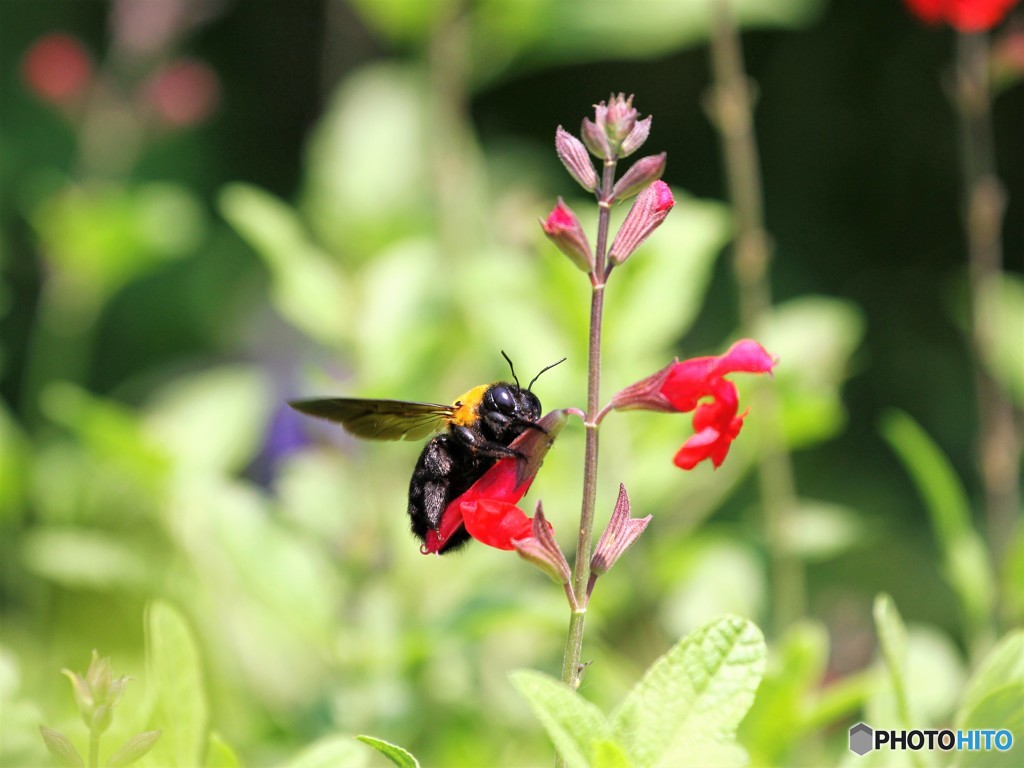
(892, 641)
(696, 694)
(965, 558)
(309, 288)
(133, 749)
(61, 747)
(573, 723)
(400, 757)
(330, 752)
(995, 694)
(174, 676)
(219, 753)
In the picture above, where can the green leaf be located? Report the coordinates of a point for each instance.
(795, 667)
(965, 558)
(694, 696)
(330, 752)
(174, 676)
(994, 697)
(219, 753)
(670, 272)
(60, 747)
(212, 421)
(309, 288)
(400, 757)
(609, 754)
(369, 183)
(814, 337)
(574, 724)
(106, 235)
(892, 639)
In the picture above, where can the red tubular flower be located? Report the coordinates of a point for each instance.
(962, 15)
(684, 387)
(488, 509)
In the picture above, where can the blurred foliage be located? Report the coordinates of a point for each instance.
(358, 217)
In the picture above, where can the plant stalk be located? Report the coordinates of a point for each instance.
(998, 439)
(732, 113)
(571, 667)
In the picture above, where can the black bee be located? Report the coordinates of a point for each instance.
(478, 428)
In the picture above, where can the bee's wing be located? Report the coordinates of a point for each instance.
(379, 419)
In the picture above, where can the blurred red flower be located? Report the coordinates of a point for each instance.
(962, 15)
(57, 68)
(184, 93)
(682, 386)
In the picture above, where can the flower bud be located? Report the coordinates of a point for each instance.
(133, 749)
(643, 172)
(636, 137)
(564, 229)
(542, 550)
(595, 139)
(97, 693)
(621, 532)
(60, 746)
(649, 209)
(574, 157)
(618, 118)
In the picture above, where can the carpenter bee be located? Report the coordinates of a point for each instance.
(475, 431)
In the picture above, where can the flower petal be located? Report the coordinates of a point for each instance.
(496, 523)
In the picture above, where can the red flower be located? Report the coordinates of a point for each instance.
(684, 387)
(488, 509)
(962, 15)
(57, 68)
(184, 93)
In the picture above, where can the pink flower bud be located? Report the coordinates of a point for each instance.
(595, 139)
(621, 532)
(541, 549)
(636, 137)
(619, 117)
(565, 231)
(574, 157)
(643, 172)
(649, 209)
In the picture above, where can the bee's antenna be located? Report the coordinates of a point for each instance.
(512, 368)
(546, 368)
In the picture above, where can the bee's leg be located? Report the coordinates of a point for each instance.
(478, 444)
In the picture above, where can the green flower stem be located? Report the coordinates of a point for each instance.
(731, 113)
(94, 748)
(571, 667)
(999, 443)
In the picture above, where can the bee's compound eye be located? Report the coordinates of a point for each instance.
(503, 399)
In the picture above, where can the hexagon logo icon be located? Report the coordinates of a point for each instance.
(861, 739)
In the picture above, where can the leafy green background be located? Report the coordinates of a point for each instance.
(359, 217)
